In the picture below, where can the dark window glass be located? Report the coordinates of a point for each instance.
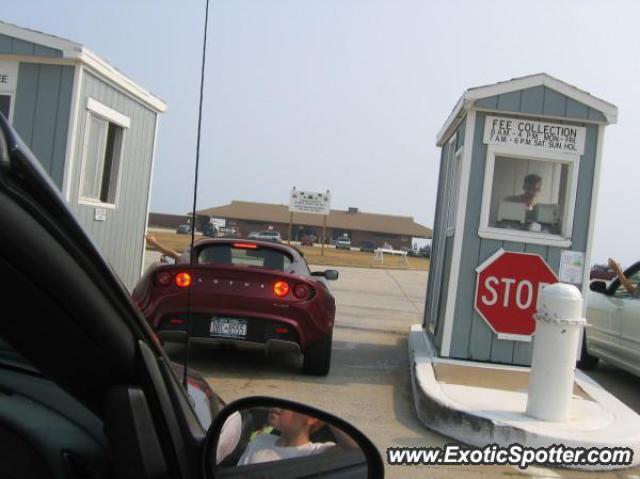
(529, 195)
(5, 104)
(102, 160)
(260, 257)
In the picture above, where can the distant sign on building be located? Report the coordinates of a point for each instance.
(309, 202)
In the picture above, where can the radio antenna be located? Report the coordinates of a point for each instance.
(195, 196)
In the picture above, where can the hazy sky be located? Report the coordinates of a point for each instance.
(349, 94)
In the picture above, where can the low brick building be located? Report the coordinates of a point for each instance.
(398, 231)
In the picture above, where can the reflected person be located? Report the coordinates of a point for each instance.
(294, 439)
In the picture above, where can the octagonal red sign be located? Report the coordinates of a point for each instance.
(507, 289)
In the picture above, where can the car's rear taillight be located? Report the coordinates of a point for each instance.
(301, 291)
(183, 280)
(245, 246)
(281, 288)
(164, 278)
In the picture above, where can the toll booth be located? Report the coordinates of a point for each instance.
(515, 210)
(94, 132)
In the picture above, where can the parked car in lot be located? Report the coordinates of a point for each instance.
(308, 240)
(424, 252)
(210, 229)
(86, 388)
(216, 231)
(245, 293)
(368, 246)
(601, 271)
(343, 243)
(183, 229)
(268, 235)
(613, 314)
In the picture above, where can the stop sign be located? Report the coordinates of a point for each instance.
(507, 290)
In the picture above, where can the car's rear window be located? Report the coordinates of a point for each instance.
(245, 255)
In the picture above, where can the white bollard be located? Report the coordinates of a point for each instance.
(553, 362)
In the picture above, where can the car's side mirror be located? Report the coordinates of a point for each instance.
(598, 287)
(268, 437)
(330, 274)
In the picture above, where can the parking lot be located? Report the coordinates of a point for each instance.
(369, 382)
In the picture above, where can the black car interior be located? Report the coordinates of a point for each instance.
(72, 379)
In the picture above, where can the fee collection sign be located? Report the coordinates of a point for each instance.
(556, 137)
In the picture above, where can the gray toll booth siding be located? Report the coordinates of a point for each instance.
(93, 130)
(473, 221)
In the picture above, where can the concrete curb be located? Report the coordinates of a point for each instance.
(444, 414)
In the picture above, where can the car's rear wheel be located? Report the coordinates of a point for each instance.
(317, 358)
(586, 361)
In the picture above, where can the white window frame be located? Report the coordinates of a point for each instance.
(9, 88)
(563, 240)
(104, 112)
(454, 199)
(452, 185)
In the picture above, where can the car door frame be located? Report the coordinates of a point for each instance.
(628, 325)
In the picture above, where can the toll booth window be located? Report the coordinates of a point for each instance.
(528, 195)
(529, 198)
(102, 154)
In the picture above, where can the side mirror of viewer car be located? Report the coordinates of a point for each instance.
(330, 274)
(598, 287)
(268, 437)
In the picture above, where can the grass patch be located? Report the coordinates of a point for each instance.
(332, 256)
(172, 240)
(359, 259)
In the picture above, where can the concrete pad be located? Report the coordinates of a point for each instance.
(502, 379)
(476, 412)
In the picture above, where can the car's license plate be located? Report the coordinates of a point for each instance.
(228, 327)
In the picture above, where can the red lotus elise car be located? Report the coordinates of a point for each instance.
(247, 293)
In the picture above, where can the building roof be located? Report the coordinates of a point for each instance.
(469, 97)
(340, 219)
(78, 53)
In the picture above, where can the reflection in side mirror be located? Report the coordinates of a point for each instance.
(598, 286)
(266, 437)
